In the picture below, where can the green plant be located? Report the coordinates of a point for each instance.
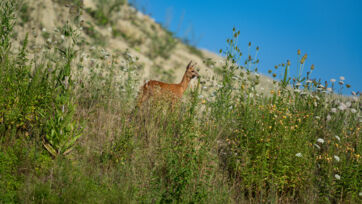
(162, 45)
(105, 10)
(224, 142)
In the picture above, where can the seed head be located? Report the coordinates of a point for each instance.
(249, 44)
(298, 52)
(303, 59)
(312, 67)
(288, 62)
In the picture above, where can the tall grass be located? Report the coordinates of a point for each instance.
(70, 135)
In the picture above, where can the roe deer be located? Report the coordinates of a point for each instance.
(172, 91)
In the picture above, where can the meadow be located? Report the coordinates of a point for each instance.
(73, 136)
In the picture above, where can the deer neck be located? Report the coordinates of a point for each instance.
(184, 82)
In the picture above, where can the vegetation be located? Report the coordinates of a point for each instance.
(71, 135)
(162, 45)
(105, 10)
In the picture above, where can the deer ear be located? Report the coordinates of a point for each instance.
(189, 65)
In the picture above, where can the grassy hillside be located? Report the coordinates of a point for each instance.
(70, 72)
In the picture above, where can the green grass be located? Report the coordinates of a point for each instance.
(71, 136)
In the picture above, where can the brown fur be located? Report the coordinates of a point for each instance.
(170, 91)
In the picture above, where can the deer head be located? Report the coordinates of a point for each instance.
(191, 71)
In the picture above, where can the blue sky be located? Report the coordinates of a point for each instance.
(330, 32)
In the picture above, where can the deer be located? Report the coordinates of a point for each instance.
(174, 92)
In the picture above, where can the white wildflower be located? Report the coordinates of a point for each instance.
(342, 106)
(329, 89)
(298, 154)
(315, 104)
(308, 81)
(360, 194)
(297, 90)
(338, 177)
(298, 84)
(336, 158)
(317, 117)
(44, 30)
(49, 40)
(341, 78)
(334, 110)
(337, 137)
(320, 140)
(333, 80)
(317, 146)
(329, 117)
(353, 110)
(355, 98)
(348, 104)
(62, 37)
